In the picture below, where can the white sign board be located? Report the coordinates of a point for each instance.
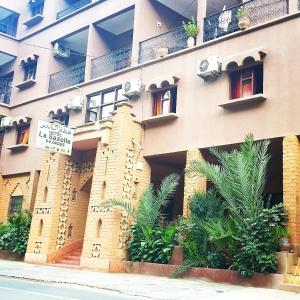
(54, 137)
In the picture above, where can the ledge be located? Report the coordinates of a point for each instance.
(26, 84)
(243, 101)
(160, 119)
(18, 147)
(34, 20)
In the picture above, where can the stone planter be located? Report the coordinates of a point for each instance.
(286, 261)
(191, 42)
(244, 22)
(8, 255)
(163, 51)
(177, 255)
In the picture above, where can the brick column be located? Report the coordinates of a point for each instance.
(192, 184)
(291, 186)
(116, 175)
(47, 208)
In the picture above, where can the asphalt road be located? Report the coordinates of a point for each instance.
(16, 289)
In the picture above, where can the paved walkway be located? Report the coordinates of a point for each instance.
(144, 287)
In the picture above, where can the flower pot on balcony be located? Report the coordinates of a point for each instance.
(284, 244)
(244, 22)
(163, 51)
(191, 42)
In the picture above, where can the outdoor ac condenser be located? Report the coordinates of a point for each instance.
(75, 103)
(6, 122)
(61, 51)
(132, 88)
(209, 68)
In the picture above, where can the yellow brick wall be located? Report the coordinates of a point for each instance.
(17, 185)
(115, 176)
(192, 184)
(291, 185)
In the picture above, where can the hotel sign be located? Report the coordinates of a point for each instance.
(54, 137)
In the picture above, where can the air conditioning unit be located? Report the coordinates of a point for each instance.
(76, 103)
(61, 51)
(132, 88)
(209, 68)
(6, 122)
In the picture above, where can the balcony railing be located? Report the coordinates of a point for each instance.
(67, 77)
(114, 61)
(175, 40)
(37, 9)
(226, 22)
(8, 29)
(5, 90)
(73, 8)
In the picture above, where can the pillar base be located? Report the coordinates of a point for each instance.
(35, 258)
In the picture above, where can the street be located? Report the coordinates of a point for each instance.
(16, 289)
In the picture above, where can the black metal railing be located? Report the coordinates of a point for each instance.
(37, 9)
(175, 40)
(114, 61)
(226, 22)
(5, 90)
(67, 77)
(8, 29)
(72, 8)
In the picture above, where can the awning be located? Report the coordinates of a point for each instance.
(20, 120)
(239, 59)
(28, 59)
(162, 82)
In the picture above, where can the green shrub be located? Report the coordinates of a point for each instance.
(191, 28)
(151, 244)
(14, 235)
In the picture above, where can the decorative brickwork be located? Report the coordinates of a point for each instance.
(192, 184)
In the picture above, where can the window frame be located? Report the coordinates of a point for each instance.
(99, 109)
(235, 76)
(19, 133)
(162, 92)
(30, 69)
(19, 209)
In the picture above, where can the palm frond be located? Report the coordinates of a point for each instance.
(127, 206)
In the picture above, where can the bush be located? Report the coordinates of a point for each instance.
(14, 235)
(151, 244)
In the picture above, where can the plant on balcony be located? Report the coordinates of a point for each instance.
(150, 241)
(191, 28)
(243, 17)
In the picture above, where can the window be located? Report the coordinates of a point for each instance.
(23, 134)
(63, 118)
(36, 7)
(30, 70)
(246, 82)
(5, 88)
(15, 204)
(101, 105)
(164, 101)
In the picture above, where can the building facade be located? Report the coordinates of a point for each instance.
(121, 73)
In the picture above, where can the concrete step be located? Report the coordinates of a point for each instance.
(290, 287)
(71, 257)
(291, 279)
(296, 270)
(73, 267)
(68, 262)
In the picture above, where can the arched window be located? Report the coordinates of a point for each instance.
(41, 227)
(99, 228)
(45, 194)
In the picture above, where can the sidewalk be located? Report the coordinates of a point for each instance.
(144, 287)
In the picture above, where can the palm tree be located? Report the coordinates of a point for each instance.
(239, 177)
(148, 210)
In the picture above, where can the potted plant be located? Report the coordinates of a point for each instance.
(243, 17)
(191, 29)
(163, 51)
(283, 237)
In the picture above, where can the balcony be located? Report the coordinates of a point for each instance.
(172, 41)
(67, 77)
(114, 61)
(226, 22)
(77, 5)
(36, 14)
